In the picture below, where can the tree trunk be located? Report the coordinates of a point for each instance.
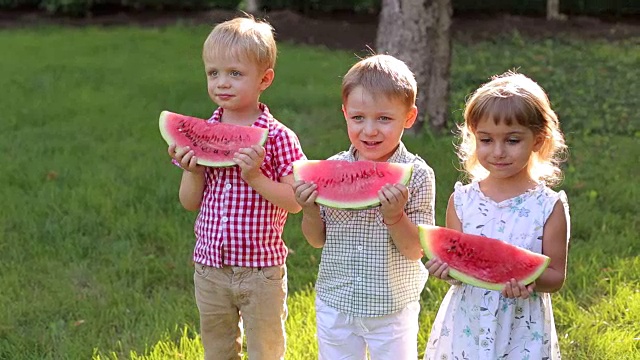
(419, 33)
(252, 6)
(553, 10)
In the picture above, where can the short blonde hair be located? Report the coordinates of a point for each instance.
(508, 98)
(382, 75)
(243, 38)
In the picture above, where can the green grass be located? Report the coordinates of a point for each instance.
(95, 248)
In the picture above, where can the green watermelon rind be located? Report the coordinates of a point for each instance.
(164, 115)
(424, 230)
(407, 172)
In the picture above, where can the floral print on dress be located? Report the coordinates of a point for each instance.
(479, 324)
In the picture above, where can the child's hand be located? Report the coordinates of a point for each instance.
(393, 199)
(439, 269)
(516, 289)
(249, 159)
(186, 158)
(306, 194)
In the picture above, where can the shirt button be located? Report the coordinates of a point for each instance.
(225, 219)
(360, 247)
(358, 279)
(228, 186)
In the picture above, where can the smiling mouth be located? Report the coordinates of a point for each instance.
(371, 143)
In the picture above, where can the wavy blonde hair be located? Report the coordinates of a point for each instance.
(243, 38)
(513, 97)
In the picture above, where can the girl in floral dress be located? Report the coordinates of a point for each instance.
(511, 147)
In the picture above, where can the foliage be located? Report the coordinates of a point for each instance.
(533, 7)
(95, 248)
(88, 7)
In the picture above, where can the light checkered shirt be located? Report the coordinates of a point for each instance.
(236, 226)
(362, 273)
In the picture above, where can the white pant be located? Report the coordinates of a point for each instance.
(344, 337)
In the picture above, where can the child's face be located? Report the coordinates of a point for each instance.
(375, 124)
(504, 150)
(235, 85)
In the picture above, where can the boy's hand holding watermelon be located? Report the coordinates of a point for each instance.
(185, 157)
(249, 160)
(306, 194)
(393, 199)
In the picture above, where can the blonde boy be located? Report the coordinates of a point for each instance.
(240, 273)
(371, 276)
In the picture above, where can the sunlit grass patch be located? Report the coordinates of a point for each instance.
(95, 250)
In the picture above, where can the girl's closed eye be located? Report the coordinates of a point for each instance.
(513, 141)
(485, 140)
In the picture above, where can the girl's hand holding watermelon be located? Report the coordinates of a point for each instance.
(512, 289)
(440, 270)
(516, 289)
(186, 159)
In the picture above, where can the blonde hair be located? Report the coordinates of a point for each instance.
(243, 38)
(507, 98)
(381, 75)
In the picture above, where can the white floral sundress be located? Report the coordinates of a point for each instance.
(477, 324)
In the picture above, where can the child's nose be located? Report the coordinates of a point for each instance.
(370, 128)
(223, 81)
(499, 150)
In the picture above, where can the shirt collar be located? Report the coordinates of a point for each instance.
(397, 156)
(263, 120)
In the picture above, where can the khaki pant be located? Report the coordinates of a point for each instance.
(231, 296)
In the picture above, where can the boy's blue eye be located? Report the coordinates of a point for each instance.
(385, 118)
(235, 73)
(213, 73)
(357, 117)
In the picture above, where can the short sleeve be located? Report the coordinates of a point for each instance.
(565, 204)
(288, 150)
(562, 197)
(422, 189)
(459, 193)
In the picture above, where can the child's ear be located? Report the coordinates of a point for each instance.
(267, 79)
(412, 115)
(344, 112)
(539, 141)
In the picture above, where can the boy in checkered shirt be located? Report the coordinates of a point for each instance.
(240, 273)
(371, 276)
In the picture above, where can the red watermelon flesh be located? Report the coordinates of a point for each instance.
(350, 185)
(481, 261)
(214, 143)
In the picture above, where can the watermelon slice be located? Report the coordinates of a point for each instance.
(481, 261)
(350, 185)
(213, 143)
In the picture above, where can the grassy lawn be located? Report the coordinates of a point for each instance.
(95, 248)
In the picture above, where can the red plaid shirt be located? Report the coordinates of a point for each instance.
(236, 226)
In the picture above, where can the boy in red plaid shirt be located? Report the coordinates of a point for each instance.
(240, 273)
